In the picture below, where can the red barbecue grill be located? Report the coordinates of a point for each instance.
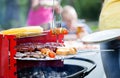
(12, 68)
(7, 52)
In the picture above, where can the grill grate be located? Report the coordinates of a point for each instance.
(50, 72)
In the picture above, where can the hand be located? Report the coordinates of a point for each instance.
(58, 9)
(35, 4)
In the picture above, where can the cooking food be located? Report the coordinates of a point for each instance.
(72, 51)
(23, 31)
(27, 47)
(57, 31)
(62, 51)
(43, 51)
(52, 54)
(65, 51)
(36, 54)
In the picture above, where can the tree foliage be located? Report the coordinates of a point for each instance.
(87, 9)
(14, 12)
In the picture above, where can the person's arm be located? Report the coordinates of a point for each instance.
(49, 3)
(58, 9)
(35, 4)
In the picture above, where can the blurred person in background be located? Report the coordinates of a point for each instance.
(41, 13)
(72, 23)
(110, 19)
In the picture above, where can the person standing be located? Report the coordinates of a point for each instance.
(110, 19)
(41, 12)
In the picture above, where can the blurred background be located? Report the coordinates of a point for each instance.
(13, 13)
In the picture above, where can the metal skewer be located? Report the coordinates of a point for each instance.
(53, 24)
(106, 50)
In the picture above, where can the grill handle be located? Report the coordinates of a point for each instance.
(91, 68)
(86, 60)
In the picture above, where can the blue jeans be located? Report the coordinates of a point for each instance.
(111, 59)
